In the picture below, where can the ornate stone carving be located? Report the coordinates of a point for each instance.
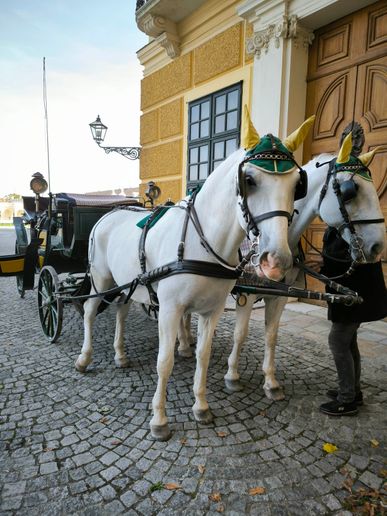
(171, 43)
(153, 25)
(301, 36)
(164, 31)
(287, 28)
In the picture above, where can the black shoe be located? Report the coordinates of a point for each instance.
(335, 408)
(332, 393)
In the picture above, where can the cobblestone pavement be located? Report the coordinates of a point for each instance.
(73, 443)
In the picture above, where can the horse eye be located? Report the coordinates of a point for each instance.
(250, 181)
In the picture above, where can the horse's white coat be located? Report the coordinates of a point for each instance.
(114, 252)
(364, 206)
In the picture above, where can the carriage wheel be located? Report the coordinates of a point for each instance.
(50, 306)
(19, 277)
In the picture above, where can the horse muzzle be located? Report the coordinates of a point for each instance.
(273, 266)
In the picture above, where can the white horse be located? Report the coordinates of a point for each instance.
(114, 259)
(365, 206)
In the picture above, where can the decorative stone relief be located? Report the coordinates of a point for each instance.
(164, 31)
(171, 43)
(288, 28)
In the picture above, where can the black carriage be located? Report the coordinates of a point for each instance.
(57, 242)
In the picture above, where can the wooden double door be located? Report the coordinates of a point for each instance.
(347, 80)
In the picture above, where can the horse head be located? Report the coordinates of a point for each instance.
(269, 181)
(349, 202)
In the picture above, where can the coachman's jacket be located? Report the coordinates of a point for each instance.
(367, 281)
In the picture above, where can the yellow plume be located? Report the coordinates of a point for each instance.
(250, 137)
(367, 157)
(294, 140)
(345, 150)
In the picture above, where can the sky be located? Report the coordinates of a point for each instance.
(91, 69)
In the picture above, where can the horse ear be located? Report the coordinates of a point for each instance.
(345, 150)
(294, 140)
(250, 137)
(367, 157)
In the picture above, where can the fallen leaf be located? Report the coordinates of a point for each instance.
(183, 440)
(263, 413)
(344, 472)
(374, 443)
(116, 441)
(172, 486)
(348, 483)
(105, 410)
(215, 497)
(382, 473)
(104, 420)
(329, 447)
(47, 449)
(201, 468)
(222, 434)
(256, 491)
(220, 508)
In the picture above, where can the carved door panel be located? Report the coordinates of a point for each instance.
(347, 79)
(371, 112)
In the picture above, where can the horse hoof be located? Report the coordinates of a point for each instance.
(203, 416)
(233, 385)
(186, 353)
(160, 432)
(79, 367)
(122, 363)
(275, 394)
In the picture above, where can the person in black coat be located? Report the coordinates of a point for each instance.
(368, 282)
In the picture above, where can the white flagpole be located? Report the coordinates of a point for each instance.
(46, 118)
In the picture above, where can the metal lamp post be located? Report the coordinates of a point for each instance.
(98, 131)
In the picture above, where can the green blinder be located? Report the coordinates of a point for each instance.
(265, 145)
(358, 168)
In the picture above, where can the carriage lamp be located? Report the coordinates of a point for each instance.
(153, 192)
(38, 184)
(98, 131)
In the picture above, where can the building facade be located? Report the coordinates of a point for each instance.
(285, 59)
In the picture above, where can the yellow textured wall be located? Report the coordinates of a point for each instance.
(171, 119)
(249, 31)
(170, 189)
(167, 82)
(218, 55)
(162, 125)
(149, 127)
(162, 160)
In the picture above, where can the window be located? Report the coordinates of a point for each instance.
(213, 132)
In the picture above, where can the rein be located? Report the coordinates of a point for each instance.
(222, 269)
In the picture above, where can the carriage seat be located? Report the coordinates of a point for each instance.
(96, 200)
(80, 212)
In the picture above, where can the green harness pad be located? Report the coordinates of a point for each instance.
(268, 164)
(141, 223)
(361, 171)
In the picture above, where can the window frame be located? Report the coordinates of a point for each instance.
(212, 138)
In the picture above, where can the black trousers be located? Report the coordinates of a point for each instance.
(343, 344)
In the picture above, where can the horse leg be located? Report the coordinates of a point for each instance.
(206, 328)
(273, 311)
(185, 337)
(241, 329)
(169, 321)
(90, 312)
(120, 357)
